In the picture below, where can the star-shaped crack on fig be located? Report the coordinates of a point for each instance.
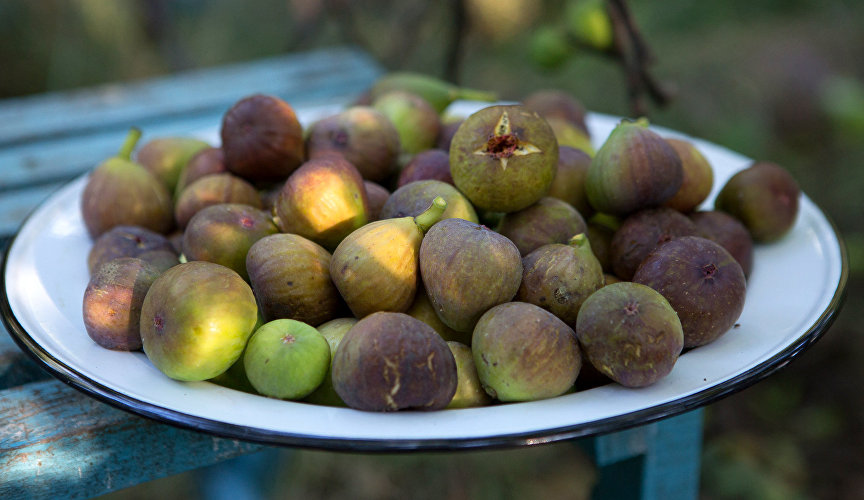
(503, 143)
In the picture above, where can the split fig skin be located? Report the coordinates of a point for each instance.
(113, 300)
(377, 196)
(290, 276)
(641, 233)
(333, 331)
(167, 157)
(413, 198)
(415, 120)
(208, 161)
(630, 333)
(729, 233)
(214, 190)
(469, 390)
(557, 103)
(125, 241)
(391, 361)
(550, 220)
(764, 197)
(697, 179)
(262, 138)
(467, 269)
(703, 283)
(323, 200)
(504, 158)
(432, 164)
(524, 353)
(423, 310)
(569, 182)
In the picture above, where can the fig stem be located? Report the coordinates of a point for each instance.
(129, 143)
(431, 215)
(580, 241)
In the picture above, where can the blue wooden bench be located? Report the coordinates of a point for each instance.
(57, 442)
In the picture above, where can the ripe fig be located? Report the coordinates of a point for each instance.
(224, 233)
(375, 267)
(524, 353)
(377, 196)
(214, 190)
(120, 192)
(363, 135)
(504, 158)
(390, 361)
(701, 281)
(125, 241)
(167, 157)
(571, 135)
(641, 233)
(559, 277)
(697, 179)
(550, 220)
(764, 197)
(235, 377)
(261, 138)
(412, 198)
(557, 103)
(633, 170)
(467, 269)
(323, 200)
(469, 391)
(415, 119)
(205, 162)
(431, 164)
(291, 279)
(333, 331)
(196, 320)
(445, 136)
(729, 233)
(437, 92)
(630, 333)
(113, 300)
(600, 237)
(423, 310)
(569, 182)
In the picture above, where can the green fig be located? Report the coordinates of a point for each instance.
(697, 180)
(469, 390)
(167, 157)
(423, 310)
(435, 91)
(416, 121)
(333, 331)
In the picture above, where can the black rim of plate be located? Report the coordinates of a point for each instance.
(70, 376)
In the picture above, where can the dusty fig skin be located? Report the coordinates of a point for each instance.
(550, 220)
(377, 196)
(557, 103)
(467, 269)
(431, 164)
(413, 198)
(569, 183)
(213, 190)
(524, 353)
(113, 300)
(261, 138)
(290, 276)
(125, 241)
(364, 136)
(641, 233)
(703, 283)
(729, 233)
(630, 334)
(391, 361)
(206, 162)
(764, 197)
(697, 180)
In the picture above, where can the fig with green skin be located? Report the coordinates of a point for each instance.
(559, 277)
(262, 138)
(524, 353)
(377, 196)
(416, 121)
(569, 183)
(703, 283)
(120, 192)
(466, 270)
(432, 164)
(291, 279)
(469, 390)
(589, 23)
(764, 197)
(552, 103)
(235, 377)
(413, 198)
(286, 359)
(570, 135)
(436, 92)
(630, 333)
(375, 267)
(333, 331)
(125, 241)
(423, 310)
(363, 135)
(196, 320)
(697, 179)
(641, 233)
(323, 200)
(224, 233)
(729, 233)
(167, 157)
(214, 190)
(633, 170)
(208, 161)
(550, 220)
(113, 300)
(390, 361)
(504, 158)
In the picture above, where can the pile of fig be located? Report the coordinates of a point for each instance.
(390, 257)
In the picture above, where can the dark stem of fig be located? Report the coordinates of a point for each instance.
(431, 215)
(129, 144)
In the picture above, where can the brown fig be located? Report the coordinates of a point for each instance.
(696, 181)
(729, 233)
(377, 196)
(205, 162)
(430, 164)
(125, 241)
(550, 220)
(641, 233)
(213, 190)
(569, 183)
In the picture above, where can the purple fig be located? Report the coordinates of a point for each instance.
(214, 190)
(550, 220)
(431, 164)
(729, 233)
(641, 233)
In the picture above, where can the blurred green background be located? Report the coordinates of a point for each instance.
(781, 80)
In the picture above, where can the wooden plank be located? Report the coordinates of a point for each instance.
(16, 205)
(55, 439)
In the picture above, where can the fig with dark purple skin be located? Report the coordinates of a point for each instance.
(557, 103)
(504, 158)
(431, 164)
(167, 157)
(205, 162)
(729, 233)
(764, 197)
(262, 138)
(641, 233)
(569, 183)
(702, 282)
(113, 300)
(125, 241)
(469, 390)
(390, 361)
(630, 333)
(550, 220)
(524, 353)
(697, 179)
(377, 196)
(213, 190)
(468, 269)
(415, 120)
(445, 135)
(635, 169)
(363, 135)
(413, 198)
